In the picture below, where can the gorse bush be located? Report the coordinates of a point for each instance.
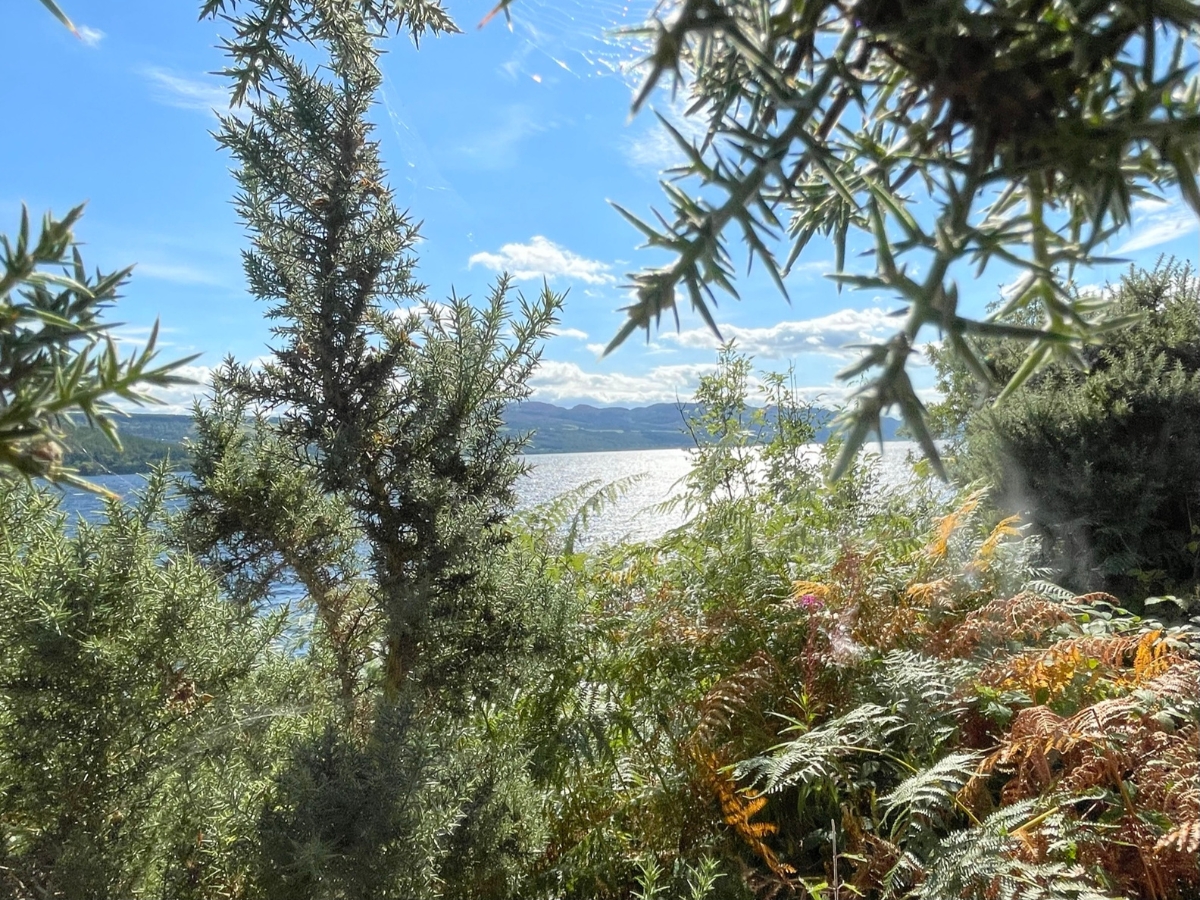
(1103, 461)
(945, 134)
(57, 357)
(366, 464)
(123, 696)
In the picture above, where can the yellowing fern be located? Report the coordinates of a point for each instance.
(811, 589)
(1081, 665)
(950, 523)
(987, 550)
(737, 811)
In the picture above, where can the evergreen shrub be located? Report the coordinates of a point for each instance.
(1104, 462)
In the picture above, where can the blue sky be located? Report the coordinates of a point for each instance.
(507, 144)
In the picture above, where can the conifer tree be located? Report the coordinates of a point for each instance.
(385, 401)
(367, 463)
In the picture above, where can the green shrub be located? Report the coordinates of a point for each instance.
(123, 689)
(1105, 463)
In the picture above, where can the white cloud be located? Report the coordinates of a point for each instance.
(176, 399)
(1157, 222)
(203, 94)
(826, 334)
(573, 333)
(566, 383)
(542, 258)
(90, 36)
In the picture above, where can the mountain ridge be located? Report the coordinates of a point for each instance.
(582, 428)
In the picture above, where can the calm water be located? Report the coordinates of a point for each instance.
(634, 516)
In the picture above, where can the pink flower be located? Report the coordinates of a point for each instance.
(810, 602)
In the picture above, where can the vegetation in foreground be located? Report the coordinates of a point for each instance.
(808, 691)
(1103, 461)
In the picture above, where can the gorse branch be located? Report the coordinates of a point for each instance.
(1027, 127)
(57, 357)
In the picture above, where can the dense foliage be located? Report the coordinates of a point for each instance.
(347, 669)
(861, 691)
(128, 689)
(1103, 461)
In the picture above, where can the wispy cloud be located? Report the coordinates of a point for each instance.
(177, 398)
(542, 258)
(184, 92)
(583, 38)
(573, 333)
(1157, 222)
(138, 335)
(654, 146)
(90, 36)
(177, 274)
(828, 335)
(497, 147)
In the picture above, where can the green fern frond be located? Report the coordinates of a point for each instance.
(986, 862)
(1049, 590)
(923, 692)
(815, 754)
(928, 797)
(595, 503)
(572, 511)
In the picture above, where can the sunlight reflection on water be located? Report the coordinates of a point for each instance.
(635, 516)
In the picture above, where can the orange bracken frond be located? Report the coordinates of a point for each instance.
(987, 550)
(930, 593)
(737, 811)
(1127, 763)
(1024, 617)
(1096, 597)
(731, 695)
(1118, 662)
(950, 523)
(1184, 839)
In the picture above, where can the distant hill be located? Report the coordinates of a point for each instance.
(146, 440)
(585, 428)
(157, 427)
(149, 438)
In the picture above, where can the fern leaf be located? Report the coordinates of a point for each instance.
(1184, 839)
(1048, 589)
(929, 795)
(950, 523)
(815, 754)
(987, 862)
